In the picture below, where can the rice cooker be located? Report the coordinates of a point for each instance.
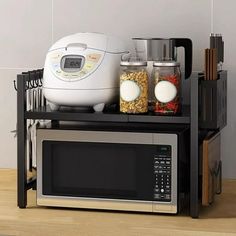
(82, 70)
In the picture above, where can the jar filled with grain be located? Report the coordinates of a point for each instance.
(133, 87)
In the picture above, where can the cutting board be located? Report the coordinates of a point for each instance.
(211, 168)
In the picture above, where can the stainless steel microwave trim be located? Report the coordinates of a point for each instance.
(107, 137)
(107, 204)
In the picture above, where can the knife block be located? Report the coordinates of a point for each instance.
(213, 102)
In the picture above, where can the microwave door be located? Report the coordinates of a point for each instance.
(102, 166)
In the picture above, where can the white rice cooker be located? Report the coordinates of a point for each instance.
(82, 70)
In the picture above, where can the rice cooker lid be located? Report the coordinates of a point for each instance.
(95, 41)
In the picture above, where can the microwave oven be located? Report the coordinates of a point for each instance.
(114, 168)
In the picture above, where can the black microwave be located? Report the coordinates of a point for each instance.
(132, 169)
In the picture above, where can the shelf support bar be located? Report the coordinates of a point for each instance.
(194, 211)
(21, 143)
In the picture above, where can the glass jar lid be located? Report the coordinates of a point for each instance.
(132, 60)
(133, 63)
(165, 63)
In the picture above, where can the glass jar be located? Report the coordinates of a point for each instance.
(166, 89)
(133, 87)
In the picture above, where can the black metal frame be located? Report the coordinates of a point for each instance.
(194, 159)
(188, 118)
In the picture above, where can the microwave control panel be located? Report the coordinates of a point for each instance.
(162, 173)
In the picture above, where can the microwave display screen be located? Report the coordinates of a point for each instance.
(102, 170)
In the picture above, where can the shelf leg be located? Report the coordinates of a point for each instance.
(194, 211)
(21, 144)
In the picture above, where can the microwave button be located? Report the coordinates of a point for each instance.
(161, 156)
(157, 190)
(157, 196)
(167, 191)
(162, 190)
(167, 196)
(167, 162)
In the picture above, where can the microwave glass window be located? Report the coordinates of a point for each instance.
(102, 170)
(94, 169)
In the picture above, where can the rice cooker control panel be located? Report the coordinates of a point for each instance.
(73, 67)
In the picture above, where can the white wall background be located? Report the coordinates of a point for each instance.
(29, 28)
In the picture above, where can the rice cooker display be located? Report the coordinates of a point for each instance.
(72, 63)
(73, 67)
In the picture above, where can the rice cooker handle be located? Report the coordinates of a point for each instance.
(80, 46)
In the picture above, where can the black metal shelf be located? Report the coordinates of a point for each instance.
(32, 80)
(107, 116)
(184, 118)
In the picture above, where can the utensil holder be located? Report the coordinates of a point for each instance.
(213, 102)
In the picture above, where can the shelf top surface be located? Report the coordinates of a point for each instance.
(106, 116)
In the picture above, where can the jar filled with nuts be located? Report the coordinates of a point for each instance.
(133, 87)
(166, 87)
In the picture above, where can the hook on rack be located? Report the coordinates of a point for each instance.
(40, 77)
(33, 81)
(40, 82)
(36, 82)
(27, 85)
(14, 83)
(15, 86)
